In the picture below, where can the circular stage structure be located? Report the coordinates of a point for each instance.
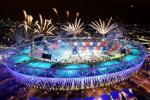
(70, 64)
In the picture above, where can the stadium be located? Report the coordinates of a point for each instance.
(73, 62)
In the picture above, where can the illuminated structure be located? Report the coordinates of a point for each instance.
(75, 63)
(69, 72)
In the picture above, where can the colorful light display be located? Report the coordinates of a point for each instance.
(61, 75)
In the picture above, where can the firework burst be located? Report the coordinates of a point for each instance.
(44, 26)
(28, 21)
(75, 27)
(102, 27)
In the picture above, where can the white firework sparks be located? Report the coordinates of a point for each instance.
(28, 21)
(55, 10)
(44, 26)
(75, 27)
(67, 13)
(103, 27)
(77, 14)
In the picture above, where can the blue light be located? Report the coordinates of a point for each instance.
(129, 57)
(20, 58)
(108, 63)
(67, 73)
(39, 64)
(135, 51)
(69, 70)
(102, 69)
(75, 66)
(26, 50)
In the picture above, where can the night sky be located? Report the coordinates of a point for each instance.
(125, 10)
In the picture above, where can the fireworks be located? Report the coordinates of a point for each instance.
(28, 21)
(44, 26)
(77, 14)
(28, 18)
(55, 10)
(75, 27)
(102, 27)
(67, 13)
